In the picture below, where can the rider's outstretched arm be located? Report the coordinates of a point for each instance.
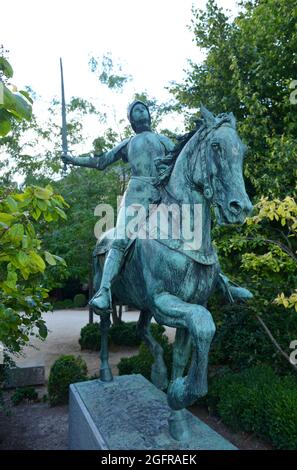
(100, 161)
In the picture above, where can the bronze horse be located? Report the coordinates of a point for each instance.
(171, 284)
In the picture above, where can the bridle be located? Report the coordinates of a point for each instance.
(205, 135)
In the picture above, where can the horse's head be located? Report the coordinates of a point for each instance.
(220, 171)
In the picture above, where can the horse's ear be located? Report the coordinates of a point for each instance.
(232, 120)
(207, 115)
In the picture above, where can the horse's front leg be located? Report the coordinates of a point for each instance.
(172, 311)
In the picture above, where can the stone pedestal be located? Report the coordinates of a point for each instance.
(130, 413)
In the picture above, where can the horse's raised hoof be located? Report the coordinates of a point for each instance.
(106, 374)
(159, 376)
(179, 426)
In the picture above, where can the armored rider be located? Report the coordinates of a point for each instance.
(150, 158)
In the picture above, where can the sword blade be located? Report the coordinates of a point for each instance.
(64, 123)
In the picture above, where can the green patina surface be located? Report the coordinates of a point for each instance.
(162, 278)
(131, 413)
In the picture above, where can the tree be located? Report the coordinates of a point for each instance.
(14, 105)
(23, 261)
(22, 257)
(83, 189)
(249, 65)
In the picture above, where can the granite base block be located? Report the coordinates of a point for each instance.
(130, 413)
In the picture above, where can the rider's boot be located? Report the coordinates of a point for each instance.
(102, 299)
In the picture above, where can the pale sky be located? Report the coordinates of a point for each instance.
(149, 38)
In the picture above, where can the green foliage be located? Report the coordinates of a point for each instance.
(263, 253)
(143, 361)
(14, 105)
(24, 393)
(23, 215)
(83, 189)
(258, 401)
(248, 67)
(4, 367)
(109, 74)
(67, 303)
(79, 300)
(63, 304)
(240, 340)
(65, 371)
(124, 334)
(280, 256)
(90, 337)
(23, 262)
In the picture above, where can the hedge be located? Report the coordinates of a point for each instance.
(65, 371)
(259, 401)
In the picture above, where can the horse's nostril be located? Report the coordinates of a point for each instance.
(235, 207)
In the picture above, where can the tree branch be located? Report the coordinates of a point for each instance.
(279, 244)
(274, 342)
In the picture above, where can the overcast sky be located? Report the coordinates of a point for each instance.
(149, 38)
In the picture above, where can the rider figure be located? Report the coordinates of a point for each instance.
(148, 154)
(151, 159)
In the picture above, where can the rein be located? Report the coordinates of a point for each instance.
(204, 186)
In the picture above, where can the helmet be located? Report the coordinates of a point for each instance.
(130, 108)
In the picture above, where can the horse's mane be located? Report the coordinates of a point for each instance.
(200, 124)
(183, 139)
(166, 165)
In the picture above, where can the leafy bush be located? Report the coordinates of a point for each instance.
(67, 303)
(24, 393)
(259, 401)
(90, 337)
(240, 341)
(4, 367)
(281, 415)
(79, 300)
(124, 334)
(63, 304)
(58, 305)
(143, 361)
(65, 371)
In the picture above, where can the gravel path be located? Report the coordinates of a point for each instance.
(64, 330)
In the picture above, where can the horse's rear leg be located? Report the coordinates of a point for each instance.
(159, 375)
